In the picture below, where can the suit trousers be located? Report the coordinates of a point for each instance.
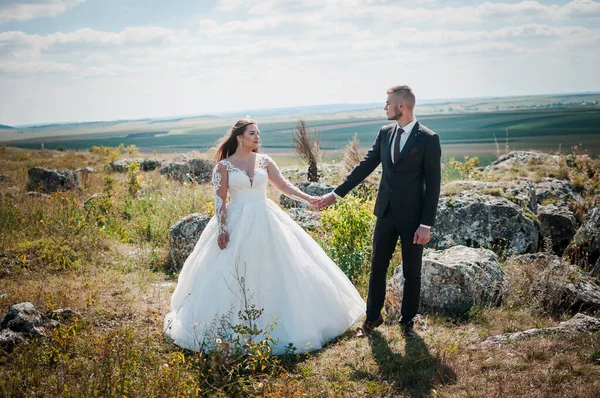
(385, 238)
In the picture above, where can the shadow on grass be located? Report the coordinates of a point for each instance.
(415, 372)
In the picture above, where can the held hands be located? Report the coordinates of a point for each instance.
(223, 240)
(326, 201)
(422, 236)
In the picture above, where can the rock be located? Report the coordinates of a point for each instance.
(559, 192)
(313, 188)
(305, 218)
(523, 158)
(476, 220)
(52, 180)
(37, 194)
(150, 164)
(9, 339)
(585, 246)
(63, 314)
(120, 166)
(453, 281)
(183, 236)
(521, 192)
(4, 178)
(24, 318)
(177, 171)
(580, 323)
(201, 169)
(84, 173)
(558, 286)
(558, 224)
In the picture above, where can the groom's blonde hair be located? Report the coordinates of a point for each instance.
(404, 94)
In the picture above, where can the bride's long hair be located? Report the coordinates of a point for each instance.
(228, 143)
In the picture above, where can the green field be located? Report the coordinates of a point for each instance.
(474, 133)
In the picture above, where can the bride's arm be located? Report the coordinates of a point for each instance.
(282, 184)
(219, 179)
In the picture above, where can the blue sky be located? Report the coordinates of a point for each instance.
(83, 60)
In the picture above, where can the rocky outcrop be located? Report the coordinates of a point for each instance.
(191, 170)
(522, 158)
(580, 323)
(585, 247)
(477, 220)
(453, 281)
(121, 166)
(307, 219)
(41, 179)
(183, 236)
(558, 224)
(313, 188)
(559, 192)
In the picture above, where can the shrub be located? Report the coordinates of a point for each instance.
(347, 230)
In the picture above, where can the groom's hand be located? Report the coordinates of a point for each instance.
(422, 236)
(326, 201)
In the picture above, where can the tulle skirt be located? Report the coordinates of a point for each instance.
(271, 263)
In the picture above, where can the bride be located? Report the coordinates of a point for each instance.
(251, 240)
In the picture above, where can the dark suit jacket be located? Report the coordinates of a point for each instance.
(412, 185)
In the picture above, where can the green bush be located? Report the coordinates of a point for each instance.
(347, 231)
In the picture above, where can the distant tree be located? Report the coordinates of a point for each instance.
(308, 147)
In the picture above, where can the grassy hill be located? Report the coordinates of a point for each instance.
(106, 260)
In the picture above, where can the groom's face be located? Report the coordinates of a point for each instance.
(393, 107)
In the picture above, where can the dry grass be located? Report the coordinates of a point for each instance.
(117, 285)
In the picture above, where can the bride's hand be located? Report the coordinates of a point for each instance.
(223, 240)
(314, 201)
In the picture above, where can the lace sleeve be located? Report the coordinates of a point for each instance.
(282, 184)
(219, 180)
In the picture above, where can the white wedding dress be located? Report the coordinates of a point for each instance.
(284, 270)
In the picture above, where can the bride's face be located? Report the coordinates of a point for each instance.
(251, 137)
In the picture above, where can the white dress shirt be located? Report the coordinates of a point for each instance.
(403, 138)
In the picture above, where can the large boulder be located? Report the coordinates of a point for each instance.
(453, 281)
(150, 164)
(178, 171)
(52, 180)
(307, 219)
(553, 191)
(188, 170)
(313, 188)
(585, 246)
(201, 169)
(558, 224)
(521, 192)
(488, 221)
(183, 237)
(23, 321)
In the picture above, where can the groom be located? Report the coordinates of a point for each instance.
(406, 202)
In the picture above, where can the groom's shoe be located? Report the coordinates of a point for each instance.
(369, 326)
(408, 332)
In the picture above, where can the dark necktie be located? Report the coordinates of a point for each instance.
(397, 145)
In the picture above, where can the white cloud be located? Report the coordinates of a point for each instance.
(23, 10)
(414, 13)
(34, 68)
(112, 70)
